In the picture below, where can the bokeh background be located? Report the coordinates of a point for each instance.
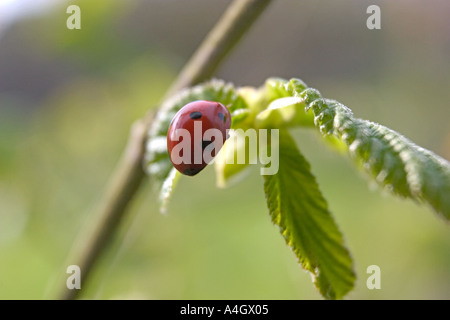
(68, 98)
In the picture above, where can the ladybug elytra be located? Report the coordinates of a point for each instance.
(196, 134)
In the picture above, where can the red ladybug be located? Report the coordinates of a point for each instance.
(196, 134)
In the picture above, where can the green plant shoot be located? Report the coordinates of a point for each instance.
(293, 197)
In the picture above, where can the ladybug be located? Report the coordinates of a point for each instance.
(196, 133)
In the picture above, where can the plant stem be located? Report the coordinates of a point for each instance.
(236, 20)
(129, 174)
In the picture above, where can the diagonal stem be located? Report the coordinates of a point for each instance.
(129, 174)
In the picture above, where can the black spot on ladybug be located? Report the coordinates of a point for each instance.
(222, 117)
(192, 171)
(195, 115)
(206, 143)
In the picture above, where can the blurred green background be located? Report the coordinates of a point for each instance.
(68, 98)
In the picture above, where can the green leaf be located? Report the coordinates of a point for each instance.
(284, 113)
(228, 170)
(238, 116)
(297, 206)
(392, 160)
